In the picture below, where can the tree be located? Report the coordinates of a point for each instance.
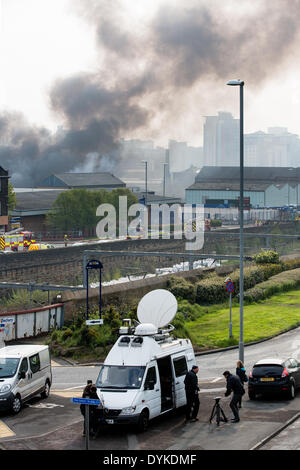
(75, 209)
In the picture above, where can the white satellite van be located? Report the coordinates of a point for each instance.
(25, 371)
(143, 375)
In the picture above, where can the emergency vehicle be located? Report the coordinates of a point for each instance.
(16, 240)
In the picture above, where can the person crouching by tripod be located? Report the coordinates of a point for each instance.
(234, 385)
(191, 391)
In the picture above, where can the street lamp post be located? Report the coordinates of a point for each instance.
(146, 180)
(241, 341)
(164, 181)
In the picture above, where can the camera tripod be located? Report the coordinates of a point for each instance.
(217, 411)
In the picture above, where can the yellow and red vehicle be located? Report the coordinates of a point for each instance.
(16, 240)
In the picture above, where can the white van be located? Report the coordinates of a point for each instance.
(143, 374)
(25, 371)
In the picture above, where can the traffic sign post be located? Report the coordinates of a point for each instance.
(87, 402)
(230, 289)
(94, 264)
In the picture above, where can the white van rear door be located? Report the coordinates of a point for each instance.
(180, 370)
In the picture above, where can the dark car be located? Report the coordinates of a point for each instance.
(274, 376)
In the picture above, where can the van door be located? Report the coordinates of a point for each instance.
(36, 373)
(24, 385)
(151, 393)
(180, 370)
(167, 383)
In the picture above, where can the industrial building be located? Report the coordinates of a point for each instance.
(271, 187)
(101, 180)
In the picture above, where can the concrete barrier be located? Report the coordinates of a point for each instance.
(30, 323)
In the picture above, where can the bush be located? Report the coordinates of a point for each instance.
(215, 223)
(190, 312)
(213, 289)
(279, 283)
(182, 289)
(267, 257)
(66, 334)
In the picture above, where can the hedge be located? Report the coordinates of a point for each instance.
(212, 289)
(279, 283)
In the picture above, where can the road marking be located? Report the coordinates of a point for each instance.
(206, 390)
(73, 388)
(55, 364)
(48, 406)
(67, 394)
(217, 379)
(5, 431)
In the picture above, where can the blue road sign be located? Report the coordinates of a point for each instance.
(230, 286)
(85, 401)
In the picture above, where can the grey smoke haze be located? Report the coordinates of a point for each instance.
(143, 73)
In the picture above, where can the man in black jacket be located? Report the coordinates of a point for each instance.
(234, 385)
(191, 391)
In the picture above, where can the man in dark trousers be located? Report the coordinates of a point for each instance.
(234, 385)
(191, 391)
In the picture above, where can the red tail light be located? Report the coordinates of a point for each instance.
(251, 375)
(284, 373)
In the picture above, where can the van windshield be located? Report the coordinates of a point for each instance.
(120, 377)
(8, 367)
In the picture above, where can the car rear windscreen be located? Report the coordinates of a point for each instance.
(271, 370)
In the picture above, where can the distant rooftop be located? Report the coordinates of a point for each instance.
(267, 174)
(38, 200)
(83, 180)
(255, 178)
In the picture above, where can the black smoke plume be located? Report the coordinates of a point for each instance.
(147, 72)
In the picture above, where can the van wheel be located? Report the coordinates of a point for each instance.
(252, 395)
(46, 392)
(143, 422)
(16, 405)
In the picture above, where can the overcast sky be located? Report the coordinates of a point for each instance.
(167, 61)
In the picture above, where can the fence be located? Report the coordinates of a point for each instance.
(30, 323)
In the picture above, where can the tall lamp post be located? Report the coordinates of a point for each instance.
(146, 180)
(164, 180)
(241, 85)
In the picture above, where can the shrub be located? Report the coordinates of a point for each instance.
(267, 257)
(182, 289)
(213, 289)
(190, 312)
(66, 334)
(279, 283)
(215, 223)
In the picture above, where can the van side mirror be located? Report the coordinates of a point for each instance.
(22, 375)
(149, 385)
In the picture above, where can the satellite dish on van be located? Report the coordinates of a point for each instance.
(158, 307)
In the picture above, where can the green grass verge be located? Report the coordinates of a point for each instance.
(261, 320)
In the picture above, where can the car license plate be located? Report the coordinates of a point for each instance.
(267, 379)
(110, 421)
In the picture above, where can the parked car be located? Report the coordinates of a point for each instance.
(273, 375)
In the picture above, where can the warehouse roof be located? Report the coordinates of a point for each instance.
(86, 180)
(258, 174)
(229, 186)
(36, 200)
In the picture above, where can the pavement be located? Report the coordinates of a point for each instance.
(58, 425)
